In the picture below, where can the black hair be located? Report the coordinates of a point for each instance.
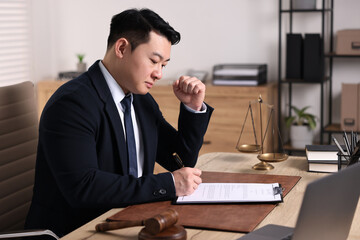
(135, 25)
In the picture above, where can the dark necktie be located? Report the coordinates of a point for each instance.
(130, 138)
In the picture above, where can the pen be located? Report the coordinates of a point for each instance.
(354, 142)
(346, 140)
(178, 160)
(355, 156)
(347, 146)
(339, 147)
(356, 138)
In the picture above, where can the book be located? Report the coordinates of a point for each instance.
(318, 166)
(323, 158)
(322, 152)
(233, 193)
(326, 166)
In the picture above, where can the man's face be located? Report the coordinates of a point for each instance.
(144, 65)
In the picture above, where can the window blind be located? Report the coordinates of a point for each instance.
(15, 44)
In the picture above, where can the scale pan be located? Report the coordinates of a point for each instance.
(272, 157)
(249, 148)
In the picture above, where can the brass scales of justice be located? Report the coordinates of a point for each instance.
(269, 149)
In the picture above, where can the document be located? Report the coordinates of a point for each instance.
(234, 193)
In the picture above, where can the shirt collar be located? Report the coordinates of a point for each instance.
(115, 89)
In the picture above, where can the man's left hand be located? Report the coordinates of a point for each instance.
(190, 91)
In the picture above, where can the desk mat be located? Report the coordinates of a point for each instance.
(226, 217)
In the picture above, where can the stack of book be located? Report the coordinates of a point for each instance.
(240, 74)
(323, 158)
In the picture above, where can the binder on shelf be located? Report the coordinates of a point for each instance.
(313, 58)
(294, 55)
(240, 74)
(302, 5)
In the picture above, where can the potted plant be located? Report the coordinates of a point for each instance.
(301, 127)
(81, 66)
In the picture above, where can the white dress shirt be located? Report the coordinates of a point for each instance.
(118, 95)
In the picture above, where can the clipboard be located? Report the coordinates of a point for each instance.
(226, 217)
(225, 193)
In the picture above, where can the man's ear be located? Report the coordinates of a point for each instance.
(121, 46)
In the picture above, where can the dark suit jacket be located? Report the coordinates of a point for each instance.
(82, 169)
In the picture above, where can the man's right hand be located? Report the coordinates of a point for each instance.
(187, 180)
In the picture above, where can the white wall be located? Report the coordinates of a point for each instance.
(213, 32)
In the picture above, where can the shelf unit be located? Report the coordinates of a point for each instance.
(328, 128)
(327, 79)
(332, 128)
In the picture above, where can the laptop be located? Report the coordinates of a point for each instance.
(326, 213)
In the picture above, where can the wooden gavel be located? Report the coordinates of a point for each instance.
(153, 225)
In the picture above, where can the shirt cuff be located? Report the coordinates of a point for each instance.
(173, 178)
(202, 110)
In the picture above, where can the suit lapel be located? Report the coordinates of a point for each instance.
(111, 111)
(115, 121)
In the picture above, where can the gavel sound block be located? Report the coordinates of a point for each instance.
(161, 226)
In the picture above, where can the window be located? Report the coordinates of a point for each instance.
(15, 44)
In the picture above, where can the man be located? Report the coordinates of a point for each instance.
(86, 163)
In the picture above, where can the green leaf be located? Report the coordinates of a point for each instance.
(301, 117)
(289, 121)
(80, 57)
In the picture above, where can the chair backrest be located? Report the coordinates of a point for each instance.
(18, 146)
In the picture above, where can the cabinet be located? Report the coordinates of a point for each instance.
(44, 91)
(325, 81)
(230, 103)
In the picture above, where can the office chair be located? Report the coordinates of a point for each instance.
(18, 146)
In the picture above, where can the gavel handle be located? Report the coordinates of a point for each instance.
(103, 227)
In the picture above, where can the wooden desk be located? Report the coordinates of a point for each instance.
(284, 214)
